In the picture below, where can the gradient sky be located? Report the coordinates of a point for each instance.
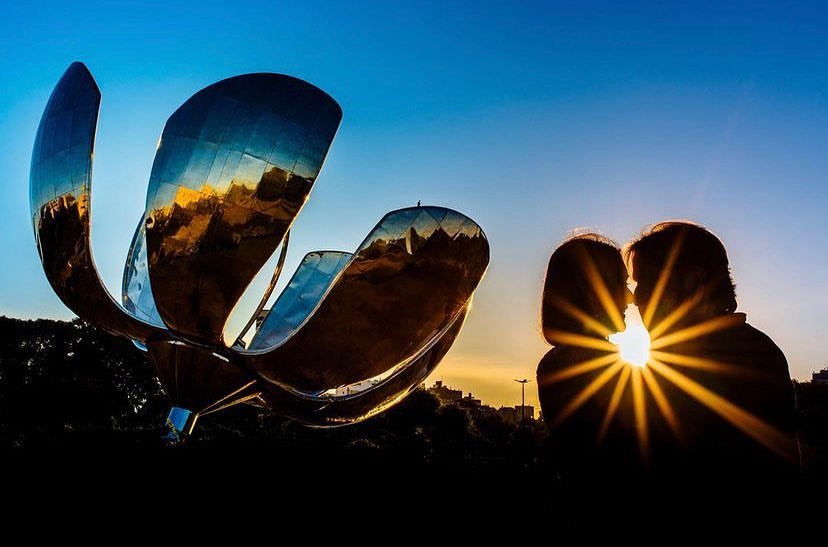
(534, 120)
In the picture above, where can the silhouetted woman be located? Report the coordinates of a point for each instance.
(584, 297)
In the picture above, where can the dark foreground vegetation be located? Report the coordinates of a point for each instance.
(82, 409)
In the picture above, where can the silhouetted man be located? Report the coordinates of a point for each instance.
(727, 382)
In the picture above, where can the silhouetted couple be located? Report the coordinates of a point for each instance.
(715, 401)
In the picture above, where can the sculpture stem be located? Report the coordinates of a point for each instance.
(180, 423)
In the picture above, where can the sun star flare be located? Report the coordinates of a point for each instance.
(633, 345)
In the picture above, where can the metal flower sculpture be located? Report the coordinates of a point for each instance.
(351, 335)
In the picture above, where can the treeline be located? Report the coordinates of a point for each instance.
(70, 387)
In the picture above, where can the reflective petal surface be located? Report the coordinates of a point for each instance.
(303, 293)
(59, 193)
(234, 166)
(358, 402)
(405, 285)
(351, 335)
(137, 291)
(197, 378)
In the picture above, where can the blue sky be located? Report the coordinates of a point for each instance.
(533, 119)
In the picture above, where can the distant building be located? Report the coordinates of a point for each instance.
(445, 394)
(508, 414)
(525, 412)
(260, 318)
(355, 388)
(820, 377)
(513, 414)
(469, 401)
(474, 406)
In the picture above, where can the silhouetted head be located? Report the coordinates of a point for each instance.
(695, 266)
(586, 281)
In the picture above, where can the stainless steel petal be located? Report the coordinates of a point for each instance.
(197, 378)
(234, 166)
(302, 295)
(60, 185)
(355, 403)
(406, 283)
(136, 289)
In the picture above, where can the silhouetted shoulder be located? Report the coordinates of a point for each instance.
(560, 358)
(562, 374)
(745, 346)
(762, 343)
(746, 369)
(575, 387)
(550, 362)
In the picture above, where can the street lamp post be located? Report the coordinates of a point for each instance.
(522, 398)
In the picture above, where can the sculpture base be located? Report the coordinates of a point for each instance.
(180, 423)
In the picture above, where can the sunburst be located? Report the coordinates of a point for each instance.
(633, 343)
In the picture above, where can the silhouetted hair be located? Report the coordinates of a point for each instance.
(567, 279)
(698, 251)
